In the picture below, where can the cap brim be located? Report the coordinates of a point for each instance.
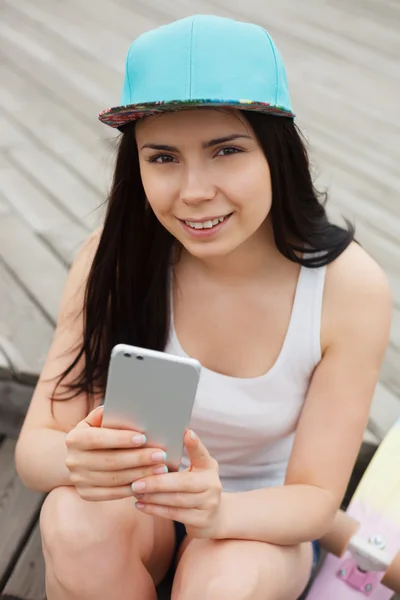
(121, 115)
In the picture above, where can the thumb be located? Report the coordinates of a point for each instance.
(198, 454)
(93, 419)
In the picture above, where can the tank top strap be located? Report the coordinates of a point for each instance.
(304, 343)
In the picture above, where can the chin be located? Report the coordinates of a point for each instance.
(207, 251)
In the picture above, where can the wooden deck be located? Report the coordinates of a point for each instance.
(62, 62)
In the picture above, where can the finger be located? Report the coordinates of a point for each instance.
(177, 499)
(102, 494)
(85, 437)
(93, 419)
(189, 516)
(118, 460)
(113, 478)
(198, 454)
(172, 482)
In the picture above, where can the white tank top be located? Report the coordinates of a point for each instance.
(248, 425)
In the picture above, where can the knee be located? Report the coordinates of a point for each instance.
(81, 537)
(222, 583)
(232, 586)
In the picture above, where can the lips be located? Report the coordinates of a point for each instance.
(206, 223)
(205, 229)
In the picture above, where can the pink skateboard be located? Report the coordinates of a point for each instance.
(364, 544)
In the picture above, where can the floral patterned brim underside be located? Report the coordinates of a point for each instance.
(120, 115)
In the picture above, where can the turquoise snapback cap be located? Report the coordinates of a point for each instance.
(198, 61)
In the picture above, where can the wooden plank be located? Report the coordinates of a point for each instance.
(18, 368)
(50, 80)
(394, 283)
(86, 60)
(361, 209)
(51, 128)
(18, 509)
(38, 270)
(395, 336)
(385, 411)
(46, 218)
(378, 187)
(345, 127)
(15, 398)
(110, 15)
(71, 193)
(10, 135)
(384, 12)
(25, 333)
(5, 366)
(385, 252)
(100, 43)
(357, 27)
(20, 95)
(390, 370)
(28, 577)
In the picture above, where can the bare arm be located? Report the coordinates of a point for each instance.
(41, 450)
(357, 314)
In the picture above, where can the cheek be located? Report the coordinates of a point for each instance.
(252, 188)
(159, 193)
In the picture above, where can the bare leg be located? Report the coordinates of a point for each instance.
(102, 550)
(241, 570)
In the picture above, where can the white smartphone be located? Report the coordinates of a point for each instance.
(153, 393)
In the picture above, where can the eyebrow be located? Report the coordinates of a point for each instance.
(209, 144)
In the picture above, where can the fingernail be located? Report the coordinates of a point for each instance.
(139, 505)
(97, 407)
(193, 435)
(159, 456)
(139, 440)
(138, 486)
(160, 470)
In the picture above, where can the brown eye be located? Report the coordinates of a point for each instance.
(159, 159)
(229, 150)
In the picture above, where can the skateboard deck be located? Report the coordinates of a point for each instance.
(376, 506)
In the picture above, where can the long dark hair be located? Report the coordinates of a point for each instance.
(127, 292)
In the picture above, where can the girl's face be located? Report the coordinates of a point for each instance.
(206, 178)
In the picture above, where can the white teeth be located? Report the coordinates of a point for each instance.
(205, 224)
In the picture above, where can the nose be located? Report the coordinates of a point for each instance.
(196, 187)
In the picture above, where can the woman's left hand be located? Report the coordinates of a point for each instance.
(192, 497)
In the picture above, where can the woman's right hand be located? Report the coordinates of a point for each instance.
(103, 463)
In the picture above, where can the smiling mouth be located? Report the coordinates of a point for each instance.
(208, 224)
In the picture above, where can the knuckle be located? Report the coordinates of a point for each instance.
(201, 521)
(218, 486)
(110, 461)
(215, 464)
(70, 439)
(76, 478)
(70, 463)
(85, 493)
(187, 485)
(116, 479)
(213, 503)
(93, 437)
(171, 511)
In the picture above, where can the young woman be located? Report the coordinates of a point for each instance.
(215, 245)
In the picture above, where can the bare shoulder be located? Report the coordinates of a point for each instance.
(357, 295)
